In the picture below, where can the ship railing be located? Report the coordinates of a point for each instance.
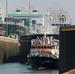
(40, 54)
(43, 42)
(42, 46)
(41, 51)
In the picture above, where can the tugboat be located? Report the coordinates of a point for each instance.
(44, 52)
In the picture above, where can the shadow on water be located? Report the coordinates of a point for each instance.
(50, 66)
(43, 70)
(17, 68)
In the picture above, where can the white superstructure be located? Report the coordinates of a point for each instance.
(54, 20)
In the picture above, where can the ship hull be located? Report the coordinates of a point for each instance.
(48, 62)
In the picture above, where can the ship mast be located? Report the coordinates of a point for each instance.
(1, 15)
(29, 17)
(7, 16)
(62, 17)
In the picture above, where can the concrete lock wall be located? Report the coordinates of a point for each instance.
(8, 48)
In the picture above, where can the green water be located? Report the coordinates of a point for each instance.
(17, 68)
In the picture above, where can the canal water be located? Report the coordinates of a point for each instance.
(17, 68)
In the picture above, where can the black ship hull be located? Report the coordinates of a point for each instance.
(48, 62)
(67, 49)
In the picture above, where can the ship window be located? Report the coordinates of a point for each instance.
(38, 46)
(48, 47)
(53, 24)
(41, 46)
(61, 24)
(35, 11)
(44, 46)
(57, 24)
(18, 10)
(69, 24)
(65, 24)
(33, 46)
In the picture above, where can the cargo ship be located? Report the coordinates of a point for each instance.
(44, 52)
